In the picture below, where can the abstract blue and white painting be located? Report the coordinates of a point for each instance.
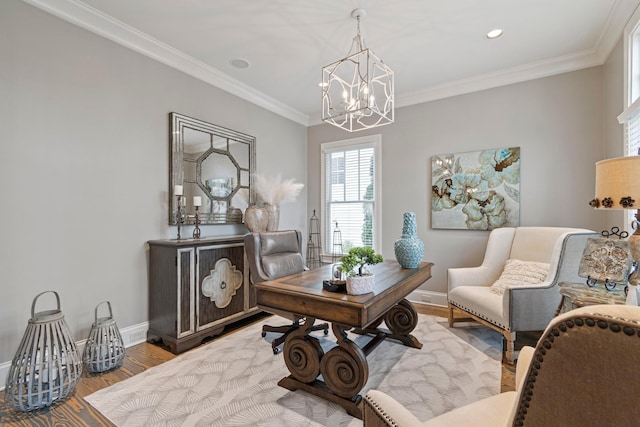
(478, 190)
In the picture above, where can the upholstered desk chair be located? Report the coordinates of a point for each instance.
(582, 373)
(271, 255)
(521, 306)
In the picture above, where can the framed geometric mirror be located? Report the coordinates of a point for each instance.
(211, 162)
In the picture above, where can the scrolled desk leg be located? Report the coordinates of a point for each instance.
(401, 319)
(302, 353)
(344, 368)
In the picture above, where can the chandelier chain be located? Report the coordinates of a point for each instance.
(358, 42)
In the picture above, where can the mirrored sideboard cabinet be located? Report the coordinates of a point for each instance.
(196, 288)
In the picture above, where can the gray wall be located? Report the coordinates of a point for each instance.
(558, 123)
(84, 164)
(84, 167)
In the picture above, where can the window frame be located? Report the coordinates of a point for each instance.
(631, 43)
(375, 142)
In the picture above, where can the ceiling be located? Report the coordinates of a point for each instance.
(436, 48)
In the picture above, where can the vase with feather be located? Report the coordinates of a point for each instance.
(273, 191)
(273, 215)
(256, 219)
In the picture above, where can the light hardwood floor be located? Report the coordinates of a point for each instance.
(74, 411)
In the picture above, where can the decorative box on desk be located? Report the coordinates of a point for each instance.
(196, 288)
(576, 295)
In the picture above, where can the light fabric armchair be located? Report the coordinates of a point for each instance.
(582, 373)
(527, 307)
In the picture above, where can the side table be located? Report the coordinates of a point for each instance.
(576, 295)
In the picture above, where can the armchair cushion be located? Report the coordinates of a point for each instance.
(280, 265)
(264, 254)
(519, 273)
(278, 242)
(477, 300)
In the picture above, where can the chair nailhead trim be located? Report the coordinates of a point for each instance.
(602, 324)
(380, 412)
(547, 344)
(468, 310)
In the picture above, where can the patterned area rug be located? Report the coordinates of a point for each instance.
(232, 381)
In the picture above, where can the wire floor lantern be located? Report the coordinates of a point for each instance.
(105, 348)
(336, 252)
(47, 366)
(314, 247)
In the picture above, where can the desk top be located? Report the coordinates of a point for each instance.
(302, 294)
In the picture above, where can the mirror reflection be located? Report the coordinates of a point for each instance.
(213, 163)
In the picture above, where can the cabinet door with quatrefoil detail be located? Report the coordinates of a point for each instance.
(220, 279)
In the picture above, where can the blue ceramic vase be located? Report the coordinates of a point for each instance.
(409, 249)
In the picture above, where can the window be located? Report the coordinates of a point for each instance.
(351, 192)
(630, 117)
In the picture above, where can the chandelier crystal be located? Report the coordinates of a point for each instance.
(357, 91)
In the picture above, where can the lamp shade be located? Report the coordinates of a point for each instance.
(618, 183)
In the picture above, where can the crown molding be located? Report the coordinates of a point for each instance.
(614, 27)
(105, 26)
(506, 77)
(616, 21)
(97, 22)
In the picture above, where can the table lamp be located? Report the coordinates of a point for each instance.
(618, 187)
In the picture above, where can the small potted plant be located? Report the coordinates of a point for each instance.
(353, 265)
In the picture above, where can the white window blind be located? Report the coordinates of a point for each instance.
(350, 194)
(630, 118)
(633, 134)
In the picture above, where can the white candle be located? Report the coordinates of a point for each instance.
(197, 201)
(177, 190)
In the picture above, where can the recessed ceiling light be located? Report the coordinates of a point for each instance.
(240, 63)
(494, 34)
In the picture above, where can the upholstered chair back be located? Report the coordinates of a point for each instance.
(584, 371)
(536, 243)
(274, 254)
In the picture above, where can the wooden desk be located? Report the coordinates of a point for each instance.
(344, 368)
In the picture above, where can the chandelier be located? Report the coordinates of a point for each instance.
(357, 91)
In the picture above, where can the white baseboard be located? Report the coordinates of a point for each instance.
(131, 335)
(4, 370)
(136, 334)
(438, 299)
